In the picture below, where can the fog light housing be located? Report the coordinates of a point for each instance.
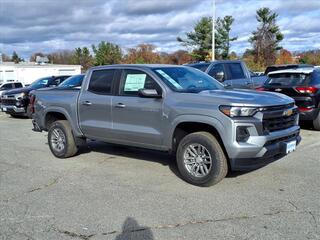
(242, 134)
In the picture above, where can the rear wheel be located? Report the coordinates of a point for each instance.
(61, 139)
(201, 160)
(316, 122)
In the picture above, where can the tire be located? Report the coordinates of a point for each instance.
(212, 150)
(316, 122)
(64, 146)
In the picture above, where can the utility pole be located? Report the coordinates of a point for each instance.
(213, 23)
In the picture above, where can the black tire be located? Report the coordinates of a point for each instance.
(316, 122)
(219, 167)
(70, 148)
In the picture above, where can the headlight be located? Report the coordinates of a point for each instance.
(20, 95)
(238, 111)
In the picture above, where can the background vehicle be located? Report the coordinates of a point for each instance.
(72, 82)
(8, 86)
(303, 85)
(284, 67)
(170, 108)
(15, 102)
(232, 73)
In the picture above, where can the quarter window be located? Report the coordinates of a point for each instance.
(101, 81)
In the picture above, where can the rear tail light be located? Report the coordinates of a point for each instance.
(260, 89)
(307, 89)
(305, 109)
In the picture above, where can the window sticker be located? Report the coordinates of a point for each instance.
(172, 81)
(134, 82)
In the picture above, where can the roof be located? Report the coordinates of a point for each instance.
(35, 65)
(306, 70)
(215, 61)
(136, 65)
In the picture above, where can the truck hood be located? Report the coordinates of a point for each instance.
(18, 90)
(237, 97)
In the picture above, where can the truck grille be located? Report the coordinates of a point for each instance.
(8, 102)
(275, 120)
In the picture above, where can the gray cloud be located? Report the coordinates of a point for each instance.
(42, 25)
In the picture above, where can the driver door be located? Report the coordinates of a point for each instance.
(137, 120)
(218, 72)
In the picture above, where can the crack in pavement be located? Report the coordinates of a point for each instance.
(75, 235)
(182, 224)
(52, 182)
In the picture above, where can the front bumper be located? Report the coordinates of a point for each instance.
(309, 115)
(13, 109)
(271, 151)
(268, 133)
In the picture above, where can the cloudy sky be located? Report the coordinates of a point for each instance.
(29, 26)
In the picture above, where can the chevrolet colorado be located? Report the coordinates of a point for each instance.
(171, 108)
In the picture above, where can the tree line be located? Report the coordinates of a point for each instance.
(265, 47)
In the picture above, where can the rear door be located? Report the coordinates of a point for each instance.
(237, 76)
(137, 120)
(95, 105)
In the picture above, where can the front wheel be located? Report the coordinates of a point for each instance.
(201, 160)
(61, 139)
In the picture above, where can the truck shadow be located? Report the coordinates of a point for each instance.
(135, 153)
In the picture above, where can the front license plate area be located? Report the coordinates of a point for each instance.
(291, 146)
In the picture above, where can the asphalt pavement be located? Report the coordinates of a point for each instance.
(116, 192)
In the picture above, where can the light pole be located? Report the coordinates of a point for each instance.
(213, 23)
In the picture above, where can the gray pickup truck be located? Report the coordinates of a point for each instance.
(231, 73)
(170, 108)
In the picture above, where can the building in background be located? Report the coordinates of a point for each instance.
(27, 72)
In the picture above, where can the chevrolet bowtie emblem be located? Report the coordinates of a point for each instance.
(287, 113)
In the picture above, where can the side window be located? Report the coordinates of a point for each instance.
(217, 72)
(101, 81)
(133, 80)
(18, 85)
(6, 86)
(236, 71)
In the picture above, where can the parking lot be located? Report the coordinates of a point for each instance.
(115, 192)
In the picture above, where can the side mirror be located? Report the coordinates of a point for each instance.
(149, 93)
(219, 76)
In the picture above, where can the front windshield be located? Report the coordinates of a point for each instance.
(187, 79)
(71, 82)
(40, 83)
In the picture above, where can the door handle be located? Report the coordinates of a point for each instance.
(120, 105)
(87, 103)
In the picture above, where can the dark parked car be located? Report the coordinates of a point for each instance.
(231, 73)
(9, 86)
(285, 66)
(72, 82)
(303, 85)
(15, 102)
